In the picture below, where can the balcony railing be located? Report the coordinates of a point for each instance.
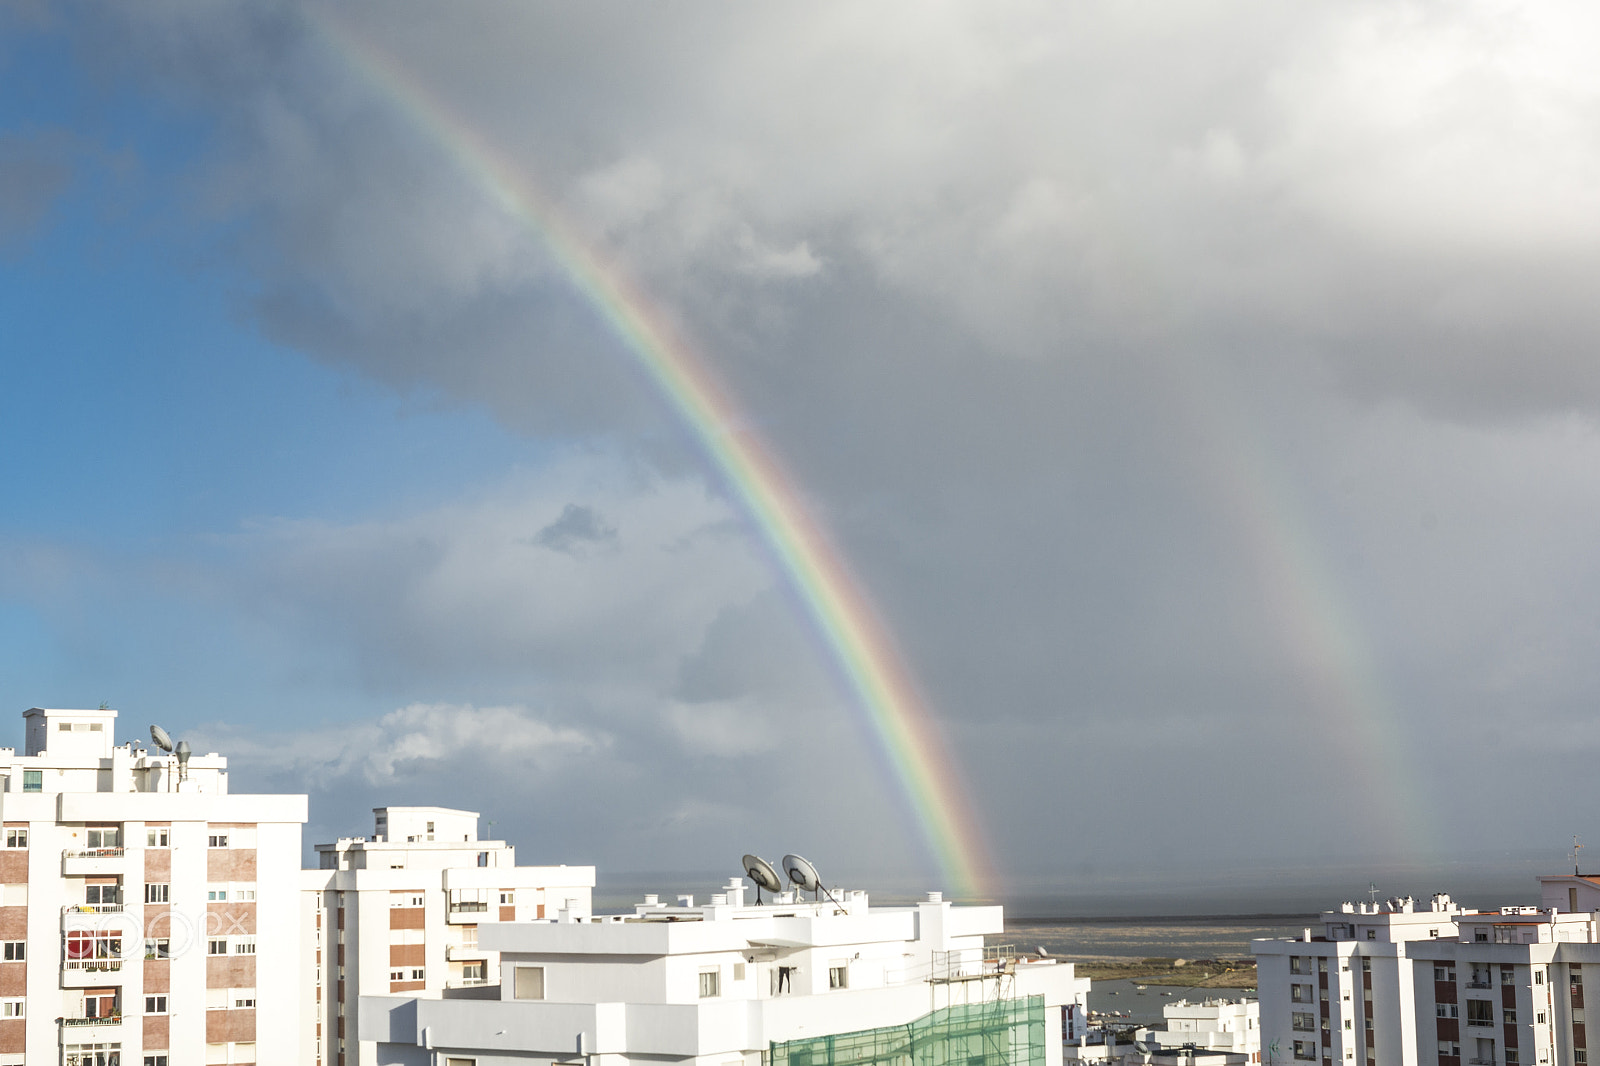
(107, 965)
(468, 908)
(92, 908)
(463, 951)
(466, 982)
(1480, 982)
(114, 1019)
(93, 853)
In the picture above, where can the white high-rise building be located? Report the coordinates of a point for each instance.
(1402, 984)
(400, 913)
(147, 916)
(789, 982)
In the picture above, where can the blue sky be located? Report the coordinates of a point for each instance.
(301, 431)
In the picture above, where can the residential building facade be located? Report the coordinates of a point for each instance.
(1398, 984)
(399, 913)
(790, 982)
(147, 916)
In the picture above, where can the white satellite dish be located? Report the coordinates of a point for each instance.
(801, 872)
(161, 738)
(761, 872)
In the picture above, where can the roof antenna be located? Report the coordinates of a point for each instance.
(1576, 847)
(1372, 890)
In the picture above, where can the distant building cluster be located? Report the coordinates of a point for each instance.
(1402, 983)
(150, 917)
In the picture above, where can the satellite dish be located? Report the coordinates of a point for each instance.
(761, 872)
(162, 740)
(802, 873)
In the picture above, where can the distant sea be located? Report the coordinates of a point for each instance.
(1178, 937)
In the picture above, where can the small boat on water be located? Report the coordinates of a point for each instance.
(1141, 987)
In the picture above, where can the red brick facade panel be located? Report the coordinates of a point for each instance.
(405, 917)
(231, 864)
(407, 954)
(13, 923)
(158, 920)
(508, 914)
(14, 867)
(407, 986)
(158, 865)
(231, 971)
(228, 1026)
(157, 1031)
(13, 978)
(13, 1036)
(230, 919)
(157, 975)
(1449, 1029)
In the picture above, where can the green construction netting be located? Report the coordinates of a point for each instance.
(1003, 1032)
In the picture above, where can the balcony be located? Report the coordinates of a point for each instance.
(93, 862)
(1480, 982)
(93, 908)
(467, 982)
(115, 1019)
(91, 973)
(466, 912)
(454, 952)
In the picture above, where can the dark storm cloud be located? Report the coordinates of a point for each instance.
(1156, 370)
(578, 526)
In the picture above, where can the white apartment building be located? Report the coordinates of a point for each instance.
(790, 982)
(1230, 1025)
(146, 915)
(1397, 984)
(400, 913)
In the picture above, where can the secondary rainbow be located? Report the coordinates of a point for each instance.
(905, 733)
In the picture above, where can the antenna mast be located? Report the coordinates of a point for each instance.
(1576, 847)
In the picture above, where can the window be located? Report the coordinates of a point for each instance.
(1580, 1055)
(1508, 975)
(1444, 973)
(33, 780)
(244, 999)
(507, 899)
(217, 947)
(13, 1008)
(104, 837)
(838, 976)
(460, 1062)
(738, 971)
(430, 830)
(1372, 934)
(155, 1060)
(1304, 1022)
(16, 950)
(1538, 977)
(1509, 1016)
(1297, 964)
(483, 858)
(1512, 1057)
(417, 899)
(397, 975)
(1449, 1049)
(710, 983)
(1480, 935)
(474, 971)
(1480, 1012)
(159, 947)
(528, 983)
(218, 840)
(156, 838)
(1305, 1051)
(244, 895)
(245, 945)
(16, 838)
(101, 895)
(157, 893)
(216, 895)
(1300, 993)
(419, 975)
(1539, 1018)
(155, 1004)
(1446, 1010)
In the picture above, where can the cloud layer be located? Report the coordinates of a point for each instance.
(1204, 396)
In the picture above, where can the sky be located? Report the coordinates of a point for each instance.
(1202, 400)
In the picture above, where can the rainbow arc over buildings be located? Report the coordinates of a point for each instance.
(904, 731)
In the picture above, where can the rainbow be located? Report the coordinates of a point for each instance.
(905, 733)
